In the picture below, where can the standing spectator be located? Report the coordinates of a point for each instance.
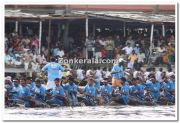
(35, 66)
(103, 53)
(109, 46)
(158, 75)
(89, 46)
(60, 53)
(141, 58)
(136, 48)
(97, 49)
(35, 44)
(130, 41)
(132, 59)
(128, 49)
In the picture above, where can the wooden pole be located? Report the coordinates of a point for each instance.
(16, 26)
(86, 28)
(124, 29)
(49, 39)
(40, 35)
(163, 30)
(151, 39)
(94, 30)
(20, 28)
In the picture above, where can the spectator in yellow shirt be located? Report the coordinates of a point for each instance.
(132, 59)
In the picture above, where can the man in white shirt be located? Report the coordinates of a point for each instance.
(141, 58)
(80, 74)
(60, 53)
(98, 74)
(158, 75)
(128, 49)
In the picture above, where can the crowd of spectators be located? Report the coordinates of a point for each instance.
(24, 50)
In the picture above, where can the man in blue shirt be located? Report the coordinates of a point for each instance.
(168, 88)
(124, 92)
(117, 73)
(71, 91)
(154, 88)
(39, 91)
(25, 94)
(16, 90)
(106, 91)
(90, 91)
(31, 85)
(57, 95)
(136, 90)
(52, 70)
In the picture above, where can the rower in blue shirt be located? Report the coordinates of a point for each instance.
(71, 91)
(52, 70)
(31, 85)
(98, 89)
(168, 90)
(106, 91)
(16, 90)
(90, 91)
(40, 91)
(136, 90)
(154, 87)
(39, 94)
(25, 94)
(57, 94)
(140, 88)
(124, 92)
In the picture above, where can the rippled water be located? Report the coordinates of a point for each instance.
(93, 113)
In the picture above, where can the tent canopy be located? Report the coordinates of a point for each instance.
(129, 16)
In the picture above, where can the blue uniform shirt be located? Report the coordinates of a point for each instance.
(16, 91)
(168, 87)
(58, 90)
(42, 91)
(52, 70)
(106, 89)
(90, 89)
(155, 90)
(117, 68)
(31, 87)
(125, 96)
(97, 84)
(25, 91)
(141, 89)
(68, 88)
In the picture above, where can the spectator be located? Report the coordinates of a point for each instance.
(128, 49)
(109, 46)
(132, 59)
(97, 49)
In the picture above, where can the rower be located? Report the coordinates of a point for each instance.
(40, 91)
(124, 92)
(154, 87)
(25, 96)
(136, 90)
(90, 91)
(71, 91)
(168, 89)
(57, 94)
(106, 91)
